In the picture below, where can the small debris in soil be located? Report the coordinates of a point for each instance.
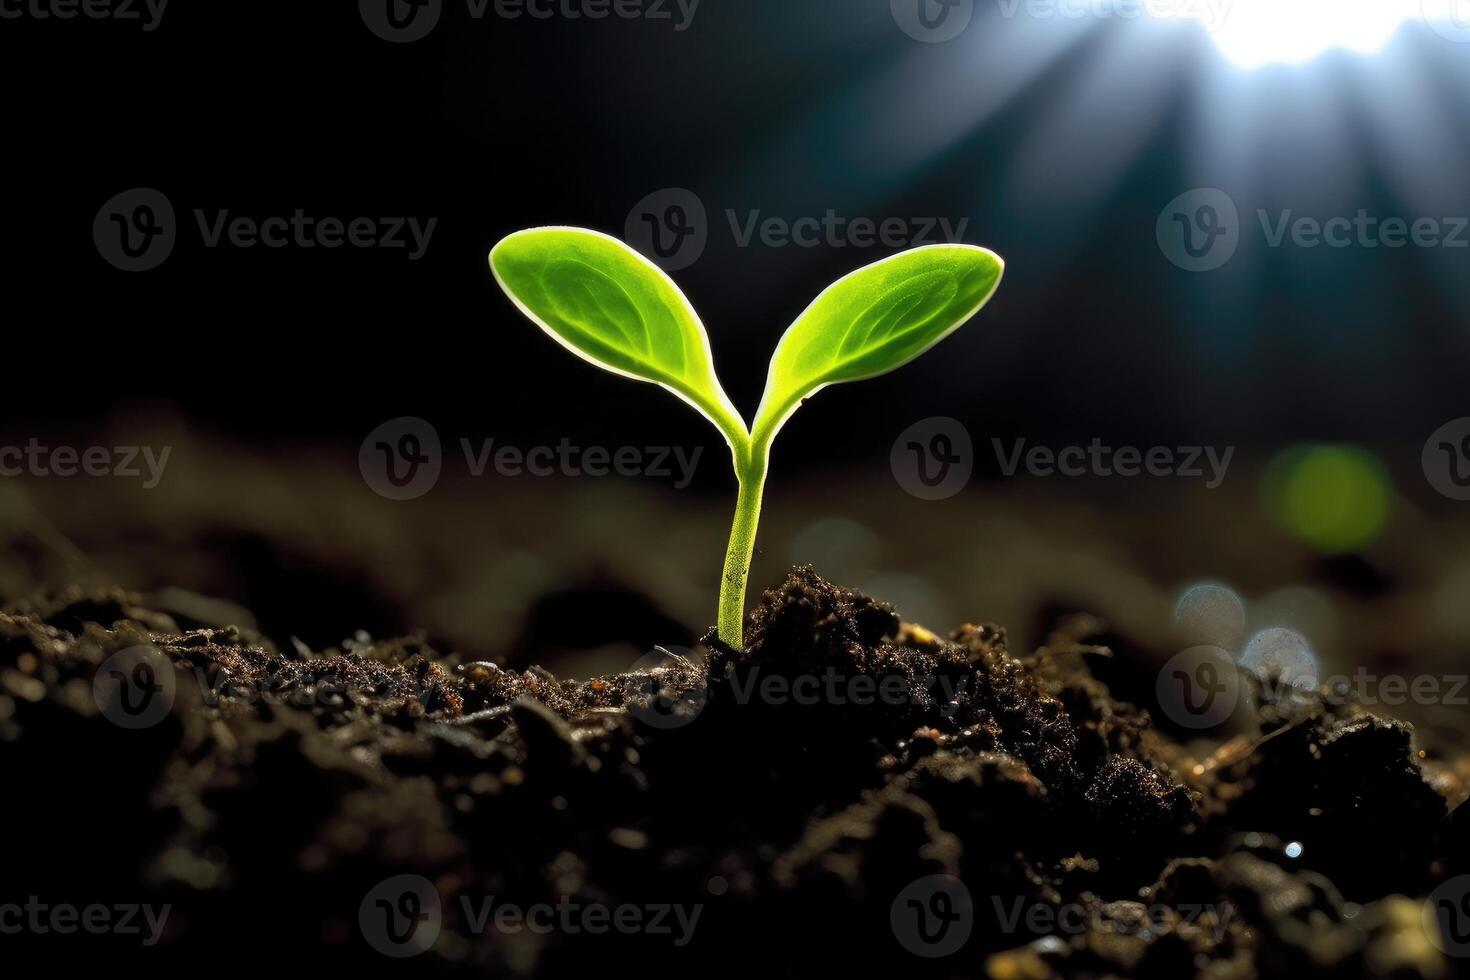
(797, 805)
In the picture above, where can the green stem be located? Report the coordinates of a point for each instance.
(750, 469)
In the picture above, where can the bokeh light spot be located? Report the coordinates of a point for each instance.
(1335, 498)
(1209, 614)
(1281, 656)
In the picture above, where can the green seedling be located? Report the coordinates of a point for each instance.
(609, 305)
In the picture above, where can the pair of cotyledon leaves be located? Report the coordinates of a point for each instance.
(611, 306)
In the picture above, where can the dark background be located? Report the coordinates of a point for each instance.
(790, 108)
(266, 368)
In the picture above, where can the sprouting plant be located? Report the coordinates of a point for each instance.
(609, 305)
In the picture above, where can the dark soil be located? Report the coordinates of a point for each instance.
(792, 801)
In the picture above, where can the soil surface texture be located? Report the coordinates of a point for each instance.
(850, 794)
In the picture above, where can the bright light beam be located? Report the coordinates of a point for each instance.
(1257, 33)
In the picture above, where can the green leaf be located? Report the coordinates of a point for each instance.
(611, 306)
(875, 320)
